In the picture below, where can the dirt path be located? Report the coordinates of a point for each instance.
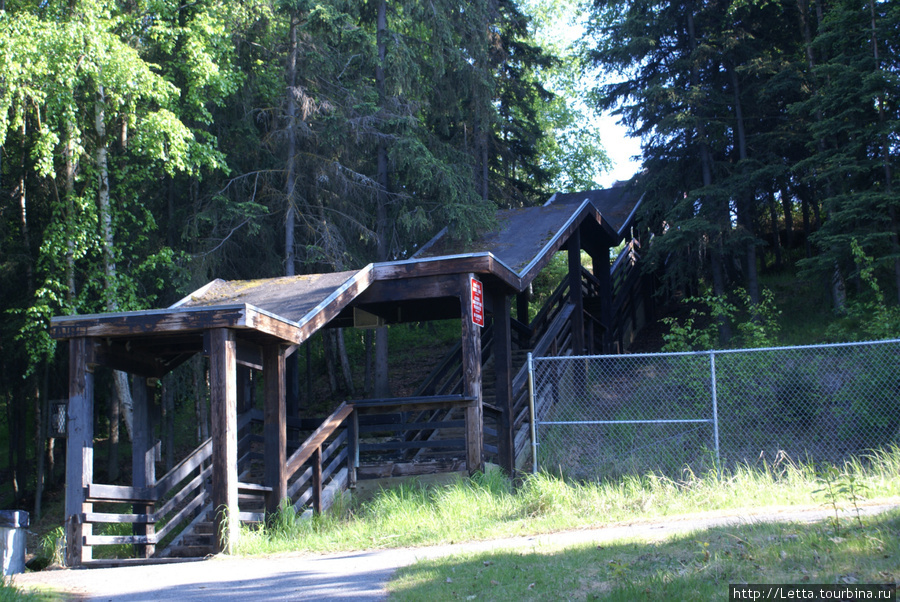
(354, 575)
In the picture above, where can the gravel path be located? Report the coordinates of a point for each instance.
(354, 575)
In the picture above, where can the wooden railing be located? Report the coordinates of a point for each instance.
(315, 472)
(179, 495)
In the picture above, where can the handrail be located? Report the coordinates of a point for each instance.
(318, 437)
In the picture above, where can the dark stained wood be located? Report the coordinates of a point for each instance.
(353, 448)
(409, 404)
(275, 425)
(97, 492)
(427, 287)
(602, 273)
(317, 480)
(149, 322)
(106, 517)
(471, 361)
(79, 450)
(319, 436)
(180, 471)
(411, 468)
(575, 292)
(502, 347)
(143, 456)
(115, 354)
(223, 410)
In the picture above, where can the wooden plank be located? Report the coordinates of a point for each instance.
(182, 514)
(299, 457)
(184, 468)
(471, 361)
(413, 426)
(427, 287)
(97, 492)
(186, 492)
(275, 425)
(116, 354)
(112, 540)
(108, 517)
(79, 450)
(397, 445)
(146, 322)
(223, 406)
(411, 468)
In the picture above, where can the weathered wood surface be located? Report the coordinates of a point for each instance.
(275, 425)
(315, 441)
(223, 411)
(79, 450)
(471, 362)
(409, 404)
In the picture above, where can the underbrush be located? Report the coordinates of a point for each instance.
(487, 506)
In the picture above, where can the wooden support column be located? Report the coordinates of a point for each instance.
(575, 293)
(503, 368)
(471, 364)
(602, 273)
(143, 457)
(223, 411)
(275, 425)
(79, 450)
(522, 306)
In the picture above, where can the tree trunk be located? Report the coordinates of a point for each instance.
(382, 385)
(776, 231)
(345, 361)
(787, 206)
(745, 199)
(291, 133)
(120, 379)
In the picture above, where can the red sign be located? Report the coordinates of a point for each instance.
(477, 303)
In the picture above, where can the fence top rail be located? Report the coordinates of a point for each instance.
(717, 351)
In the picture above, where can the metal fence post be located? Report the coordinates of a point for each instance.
(715, 410)
(534, 462)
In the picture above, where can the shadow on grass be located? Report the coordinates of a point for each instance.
(696, 566)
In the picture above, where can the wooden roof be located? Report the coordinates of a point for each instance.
(291, 309)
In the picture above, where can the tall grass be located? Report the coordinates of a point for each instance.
(487, 506)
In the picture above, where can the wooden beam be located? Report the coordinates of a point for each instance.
(79, 450)
(275, 425)
(143, 457)
(223, 406)
(427, 287)
(502, 348)
(116, 354)
(471, 361)
(573, 247)
(601, 269)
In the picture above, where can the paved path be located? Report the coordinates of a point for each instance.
(348, 576)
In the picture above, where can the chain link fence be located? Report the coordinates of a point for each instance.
(604, 416)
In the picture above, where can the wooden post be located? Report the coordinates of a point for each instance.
(503, 369)
(275, 425)
(353, 449)
(317, 480)
(471, 362)
(143, 458)
(602, 273)
(522, 307)
(79, 450)
(223, 410)
(575, 293)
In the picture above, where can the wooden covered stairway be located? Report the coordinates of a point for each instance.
(472, 409)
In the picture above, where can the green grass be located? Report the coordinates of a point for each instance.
(696, 566)
(487, 507)
(10, 593)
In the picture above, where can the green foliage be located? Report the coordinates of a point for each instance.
(869, 314)
(758, 325)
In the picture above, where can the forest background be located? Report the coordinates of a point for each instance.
(149, 146)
